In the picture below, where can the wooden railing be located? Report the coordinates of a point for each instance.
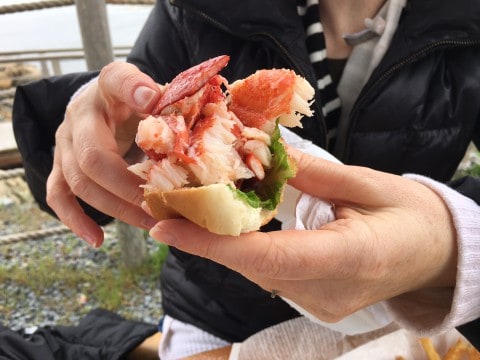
(45, 4)
(49, 60)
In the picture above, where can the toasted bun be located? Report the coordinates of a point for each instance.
(214, 207)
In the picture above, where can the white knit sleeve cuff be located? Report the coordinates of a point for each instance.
(433, 310)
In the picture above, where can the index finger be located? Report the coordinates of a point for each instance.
(95, 150)
(273, 255)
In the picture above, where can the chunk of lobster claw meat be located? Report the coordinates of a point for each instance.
(190, 81)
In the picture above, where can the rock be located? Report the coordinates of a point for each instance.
(5, 83)
(16, 190)
(13, 74)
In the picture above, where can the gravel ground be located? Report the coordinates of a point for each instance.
(27, 299)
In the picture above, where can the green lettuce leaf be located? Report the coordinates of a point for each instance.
(267, 192)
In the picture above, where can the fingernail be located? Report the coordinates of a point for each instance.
(143, 96)
(92, 241)
(163, 236)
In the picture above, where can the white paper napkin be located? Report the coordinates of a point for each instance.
(302, 211)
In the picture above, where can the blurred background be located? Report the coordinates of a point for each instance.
(58, 28)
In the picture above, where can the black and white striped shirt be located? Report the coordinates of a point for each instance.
(331, 105)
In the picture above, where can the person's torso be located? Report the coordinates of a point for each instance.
(417, 113)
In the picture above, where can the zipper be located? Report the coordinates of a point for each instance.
(281, 48)
(417, 55)
(395, 68)
(179, 3)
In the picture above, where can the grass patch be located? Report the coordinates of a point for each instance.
(59, 278)
(108, 287)
(473, 170)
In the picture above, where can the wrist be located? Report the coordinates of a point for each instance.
(444, 235)
(432, 310)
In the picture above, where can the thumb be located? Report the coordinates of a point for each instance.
(338, 182)
(125, 83)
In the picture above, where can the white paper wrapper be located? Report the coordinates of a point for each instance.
(305, 212)
(292, 197)
(301, 339)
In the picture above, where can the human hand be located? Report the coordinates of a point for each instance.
(98, 130)
(392, 236)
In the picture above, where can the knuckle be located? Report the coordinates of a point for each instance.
(137, 196)
(270, 262)
(107, 71)
(122, 212)
(69, 113)
(61, 132)
(348, 246)
(89, 158)
(53, 192)
(337, 310)
(51, 198)
(120, 76)
(207, 248)
(127, 83)
(79, 185)
(328, 317)
(208, 251)
(333, 318)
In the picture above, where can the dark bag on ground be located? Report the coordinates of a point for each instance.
(100, 335)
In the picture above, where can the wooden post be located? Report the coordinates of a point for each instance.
(132, 244)
(93, 21)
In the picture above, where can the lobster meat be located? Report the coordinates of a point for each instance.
(205, 131)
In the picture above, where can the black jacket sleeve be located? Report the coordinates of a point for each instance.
(471, 331)
(38, 110)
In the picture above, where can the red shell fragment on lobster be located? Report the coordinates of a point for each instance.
(190, 81)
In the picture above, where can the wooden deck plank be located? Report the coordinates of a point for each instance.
(9, 154)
